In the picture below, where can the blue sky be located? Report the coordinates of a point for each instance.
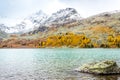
(12, 10)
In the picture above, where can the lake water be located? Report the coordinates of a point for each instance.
(52, 64)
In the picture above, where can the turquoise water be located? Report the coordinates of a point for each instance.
(52, 64)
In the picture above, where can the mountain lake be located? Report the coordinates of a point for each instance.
(53, 64)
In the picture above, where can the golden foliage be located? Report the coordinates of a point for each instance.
(67, 39)
(113, 41)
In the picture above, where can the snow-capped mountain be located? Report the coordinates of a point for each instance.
(30, 23)
(63, 16)
(40, 19)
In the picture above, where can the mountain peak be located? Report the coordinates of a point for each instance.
(63, 16)
(69, 9)
(66, 11)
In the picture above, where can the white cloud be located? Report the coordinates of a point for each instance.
(10, 22)
(54, 6)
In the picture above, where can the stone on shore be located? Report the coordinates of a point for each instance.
(103, 67)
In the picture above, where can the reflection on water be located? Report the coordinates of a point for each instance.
(93, 78)
(52, 64)
(107, 78)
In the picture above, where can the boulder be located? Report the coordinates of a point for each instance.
(103, 67)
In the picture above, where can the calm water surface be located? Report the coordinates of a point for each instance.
(52, 64)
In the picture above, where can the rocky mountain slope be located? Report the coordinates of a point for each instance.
(58, 19)
(69, 20)
(63, 16)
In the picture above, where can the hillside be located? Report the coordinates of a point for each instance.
(66, 28)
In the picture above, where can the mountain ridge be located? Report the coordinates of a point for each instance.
(40, 19)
